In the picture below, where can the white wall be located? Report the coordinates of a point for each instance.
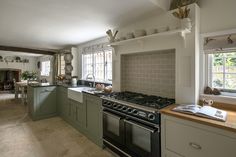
(31, 66)
(217, 15)
(186, 89)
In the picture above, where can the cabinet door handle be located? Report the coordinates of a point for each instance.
(195, 146)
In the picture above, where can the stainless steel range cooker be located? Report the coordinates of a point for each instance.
(131, 123)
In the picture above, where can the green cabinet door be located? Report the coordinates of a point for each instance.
(62, 102)
(94, 118)
(46, 103)
(76, 114)
(80, 115)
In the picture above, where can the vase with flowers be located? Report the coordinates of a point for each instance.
(182, 13)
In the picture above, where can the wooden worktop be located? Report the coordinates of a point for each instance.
(229, 125)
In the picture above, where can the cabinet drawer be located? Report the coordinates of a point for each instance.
(195, 142)
(47, 89)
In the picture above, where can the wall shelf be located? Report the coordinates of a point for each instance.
(181, 32)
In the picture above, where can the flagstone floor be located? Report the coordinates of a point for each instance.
(22, 137)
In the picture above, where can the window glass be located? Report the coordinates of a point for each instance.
(108, 70)
(45, 68)
(222, 73)
(98, 64)
(63, 65)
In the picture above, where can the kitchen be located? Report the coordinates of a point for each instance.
(168, 64)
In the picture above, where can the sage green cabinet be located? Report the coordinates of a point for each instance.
(62, 102)
(85, 117)
(42, 102)
(94, 118)
(77, 114)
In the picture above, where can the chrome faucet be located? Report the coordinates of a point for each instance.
(87, 77)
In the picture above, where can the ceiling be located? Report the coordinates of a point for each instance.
(53, 24)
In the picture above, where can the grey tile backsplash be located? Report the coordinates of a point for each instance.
(149, 73)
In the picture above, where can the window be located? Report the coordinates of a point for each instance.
(98, 64)
(222, 71)
(45, 68)
(62, 65)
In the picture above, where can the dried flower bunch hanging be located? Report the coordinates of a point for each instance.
(183, 12)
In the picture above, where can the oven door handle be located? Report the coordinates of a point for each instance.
(141, 126)
(112, 115)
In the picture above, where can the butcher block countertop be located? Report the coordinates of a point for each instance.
(229, 125)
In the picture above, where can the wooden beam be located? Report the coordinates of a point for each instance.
(28, 50)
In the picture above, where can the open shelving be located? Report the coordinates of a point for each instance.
(181, 32)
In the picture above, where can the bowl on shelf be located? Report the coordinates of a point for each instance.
(152, 31)
(139, 33)
(129, 35)
(164, 29)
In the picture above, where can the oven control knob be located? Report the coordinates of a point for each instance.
(108, 104)
(114, 105)
(119, 107)
(135, 112)
(124, 108)
(151, 116)
(129, 110)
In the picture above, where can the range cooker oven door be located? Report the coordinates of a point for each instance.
(113, 128)
(142, 140)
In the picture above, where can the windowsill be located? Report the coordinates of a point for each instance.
(227, 98)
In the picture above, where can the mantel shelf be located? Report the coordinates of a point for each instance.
(181, 32)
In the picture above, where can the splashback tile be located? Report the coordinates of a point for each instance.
(149, 73)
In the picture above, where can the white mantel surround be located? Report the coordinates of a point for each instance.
(187, 57)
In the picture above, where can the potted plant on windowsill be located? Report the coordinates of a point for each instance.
(183, 14)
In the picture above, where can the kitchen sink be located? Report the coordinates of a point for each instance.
(94, 91)
(77, 93)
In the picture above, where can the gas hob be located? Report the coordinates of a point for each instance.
(151, 101)
(141, 106)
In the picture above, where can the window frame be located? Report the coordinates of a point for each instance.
(209, 72)
(44, 74)
(105, 66)
(62, 68)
